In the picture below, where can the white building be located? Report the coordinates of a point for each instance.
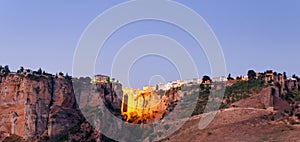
(219, 79)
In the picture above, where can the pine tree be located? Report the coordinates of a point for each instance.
(39, 72)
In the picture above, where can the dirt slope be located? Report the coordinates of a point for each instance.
(238, 124)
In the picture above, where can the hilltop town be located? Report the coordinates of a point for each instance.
(268, 76)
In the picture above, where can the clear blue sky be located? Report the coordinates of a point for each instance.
(254, 34)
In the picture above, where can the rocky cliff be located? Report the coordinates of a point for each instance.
(43, 107)
(36, 107)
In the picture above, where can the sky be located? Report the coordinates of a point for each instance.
(253, 34)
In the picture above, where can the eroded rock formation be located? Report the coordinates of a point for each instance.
(34, 108)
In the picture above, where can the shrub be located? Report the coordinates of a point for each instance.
(243, 89)
(167, 127)
(6, 70)
(39, 72)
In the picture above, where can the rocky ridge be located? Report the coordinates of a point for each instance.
(43, 107)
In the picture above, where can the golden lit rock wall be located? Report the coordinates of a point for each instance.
(142, 106)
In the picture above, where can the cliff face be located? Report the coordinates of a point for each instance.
(45, 108)
(268, 97)
(90, 96)
(34, 108)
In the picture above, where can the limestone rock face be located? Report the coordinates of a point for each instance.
(266, 98)
(36, 107)
(64, 112)
(111, 94)
(97, 100)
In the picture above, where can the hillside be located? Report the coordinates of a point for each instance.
(262, 109)
(238, 124)
(37, 106)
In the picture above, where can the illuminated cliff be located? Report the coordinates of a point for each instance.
(142, 106)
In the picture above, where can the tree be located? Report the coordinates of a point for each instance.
(251, 74)
(39, 72)
(229, 77)
(67, 77)
(6, 70)
(61, 74)
(1, 68)
(202, 87)
(206, 78)
(21, 69)
(284, 75)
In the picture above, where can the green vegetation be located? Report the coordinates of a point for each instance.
(229, 77)
(243, 89)
(292, 96)
(20, 70)
(4, 70)
(167, 127)
(236, 92)
(34, 77)
(61, 74)
(206, 78)
(251, 74)
(39, 72)
(200, 106)
(68, 78)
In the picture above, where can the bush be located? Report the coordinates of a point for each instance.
(167, 127)
(6, 70)
(33, 77)
(39, 72)
(243, 89)
(68, 78)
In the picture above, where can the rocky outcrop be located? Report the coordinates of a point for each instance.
(111, 94)
(90, 95)
(268, 97)
(95, 100)
(170, 99)
(36, 107)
